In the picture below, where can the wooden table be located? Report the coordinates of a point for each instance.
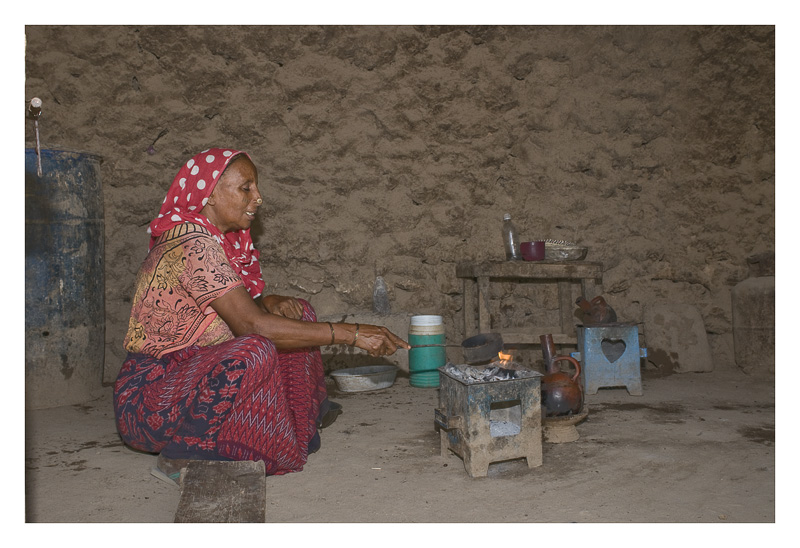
(477, 277)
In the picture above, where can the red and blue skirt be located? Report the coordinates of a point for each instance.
(238, 400)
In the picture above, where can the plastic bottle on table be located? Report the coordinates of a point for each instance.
(510, 241)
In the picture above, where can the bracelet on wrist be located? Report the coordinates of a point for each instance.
(332, 333)
(356, 337)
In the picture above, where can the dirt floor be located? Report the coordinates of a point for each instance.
(695, 448)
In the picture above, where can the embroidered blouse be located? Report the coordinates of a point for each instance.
(184, 272)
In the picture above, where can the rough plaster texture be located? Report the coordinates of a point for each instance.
(395, 151)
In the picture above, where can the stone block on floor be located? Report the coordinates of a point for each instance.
(676, 338)
(753, 305)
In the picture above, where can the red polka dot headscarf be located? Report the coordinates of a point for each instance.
(185, 200)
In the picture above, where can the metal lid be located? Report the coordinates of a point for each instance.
(426, 320)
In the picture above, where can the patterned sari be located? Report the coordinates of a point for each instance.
(237, 400)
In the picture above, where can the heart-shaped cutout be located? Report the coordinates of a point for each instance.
(613, 349)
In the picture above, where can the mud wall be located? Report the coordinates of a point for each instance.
(395, 151)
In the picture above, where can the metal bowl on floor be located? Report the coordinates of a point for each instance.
(365, 379)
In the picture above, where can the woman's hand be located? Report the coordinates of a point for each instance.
(288, 307)
(378, 341)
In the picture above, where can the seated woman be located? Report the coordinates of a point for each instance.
(215, 370)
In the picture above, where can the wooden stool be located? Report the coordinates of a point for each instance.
(222, 492)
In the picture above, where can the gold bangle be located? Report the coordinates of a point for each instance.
(332, 332)
(356, 337)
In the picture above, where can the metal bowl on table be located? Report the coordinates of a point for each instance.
(560, 250)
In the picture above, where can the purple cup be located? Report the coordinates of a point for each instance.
(532, 251)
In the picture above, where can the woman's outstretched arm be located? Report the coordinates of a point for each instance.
(244, 316)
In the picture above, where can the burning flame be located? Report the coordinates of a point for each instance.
(505, 359)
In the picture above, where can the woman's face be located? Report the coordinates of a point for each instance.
(235, 200)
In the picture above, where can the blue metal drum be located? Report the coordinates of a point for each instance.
(64, 278)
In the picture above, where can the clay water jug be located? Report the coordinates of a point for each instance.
(561, 393)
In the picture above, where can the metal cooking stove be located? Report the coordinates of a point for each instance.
(485, 421)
